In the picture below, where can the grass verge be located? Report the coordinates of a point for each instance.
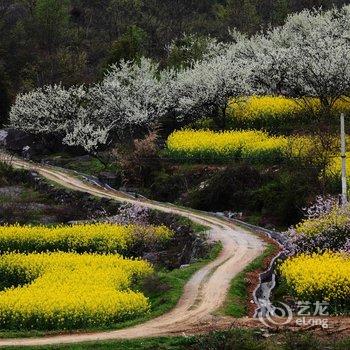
(238, 294)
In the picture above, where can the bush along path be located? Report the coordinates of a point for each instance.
(204, 293)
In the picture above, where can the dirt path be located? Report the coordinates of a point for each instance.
(203, 294)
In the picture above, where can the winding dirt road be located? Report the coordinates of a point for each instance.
(203, 294)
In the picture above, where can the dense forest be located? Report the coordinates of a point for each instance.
(74, 41)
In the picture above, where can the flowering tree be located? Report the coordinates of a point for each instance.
(307, 57)
(206, 89)
(132, 96)
(50, 109)
(140, 92)
(326, 227)
(87, 135)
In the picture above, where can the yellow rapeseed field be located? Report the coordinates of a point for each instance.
(228, 146)
(278, 107)
(100, 237)
(256, 146)
(313, 226)
(258, 106)
(319, 276)
(69, 291)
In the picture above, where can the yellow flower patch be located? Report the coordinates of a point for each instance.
(69, 291)
(278, 107)
(226, 146)
(319, 276)
(258, 106)
(314, 226)
(80, 238)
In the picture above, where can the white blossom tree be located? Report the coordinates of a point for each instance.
(87, 135)
(307, 57)
(46, 110)
(206, 89)
(131, 97)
